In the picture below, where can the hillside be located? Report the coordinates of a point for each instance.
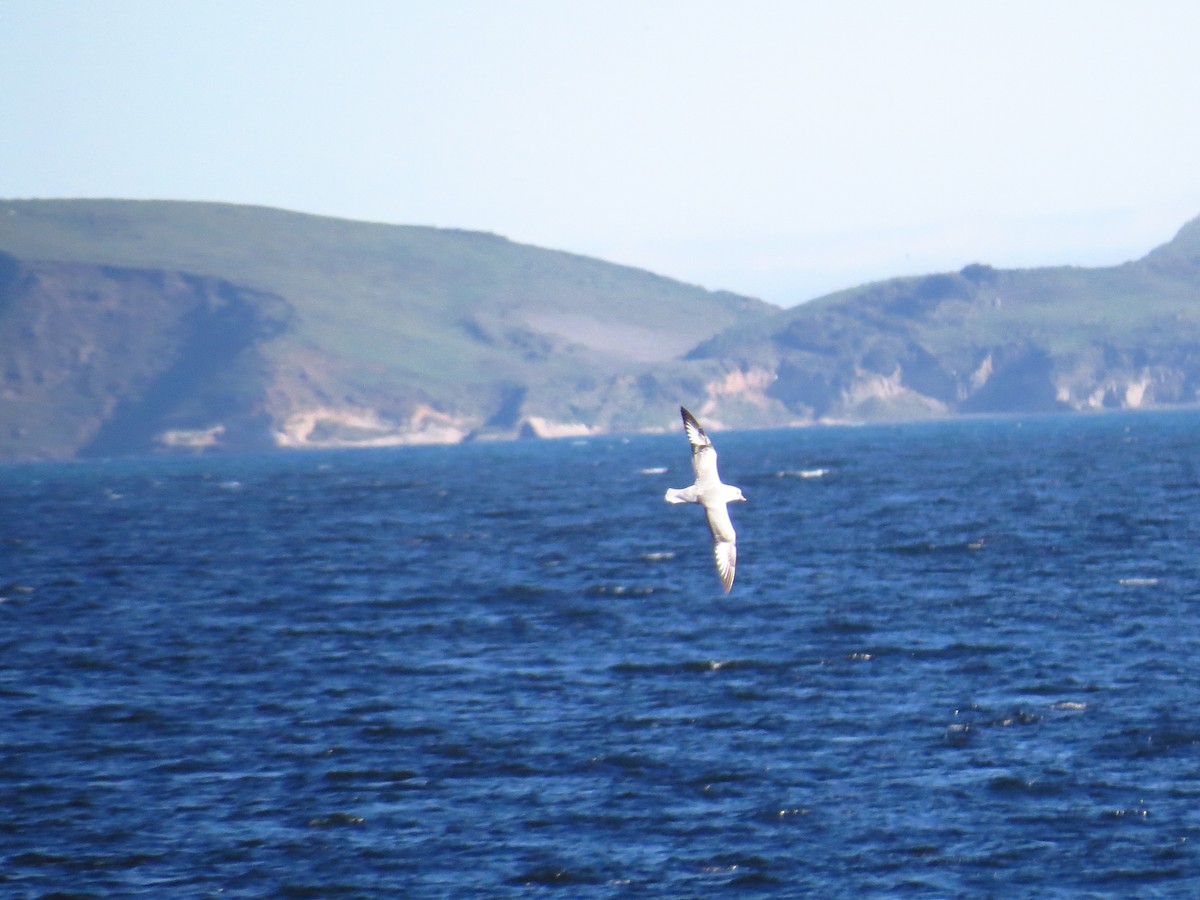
(133, 327)
(981, 340)
(128, 326)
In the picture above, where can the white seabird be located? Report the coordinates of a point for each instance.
(710, 492)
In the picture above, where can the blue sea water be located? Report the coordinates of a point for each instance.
(958, 660)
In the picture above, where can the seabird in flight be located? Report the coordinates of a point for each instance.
(710, 492)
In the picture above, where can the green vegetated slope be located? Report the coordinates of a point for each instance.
(333, 331)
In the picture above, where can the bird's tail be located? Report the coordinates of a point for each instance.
(681, 495)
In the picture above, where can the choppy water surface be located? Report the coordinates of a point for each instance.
(959, 659)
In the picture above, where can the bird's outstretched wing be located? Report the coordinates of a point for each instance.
(704, 455)
(724, 542)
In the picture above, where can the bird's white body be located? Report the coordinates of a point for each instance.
(713, 494)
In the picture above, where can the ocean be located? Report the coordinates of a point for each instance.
(959, 659)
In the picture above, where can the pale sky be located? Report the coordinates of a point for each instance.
(778, 149)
